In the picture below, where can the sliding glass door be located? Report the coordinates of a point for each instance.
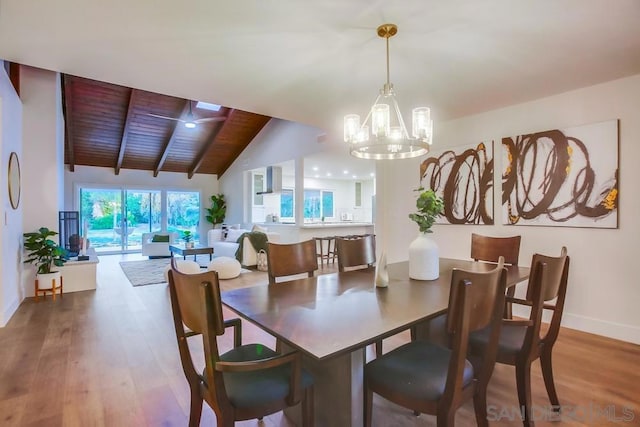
(116, 218)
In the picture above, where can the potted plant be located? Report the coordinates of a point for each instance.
(45, 254)
(217, 211)
(423, 251)
(187, 236)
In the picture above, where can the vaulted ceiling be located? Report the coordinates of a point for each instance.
(314, 62)
(118, 127)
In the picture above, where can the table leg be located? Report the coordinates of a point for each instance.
(338, 390)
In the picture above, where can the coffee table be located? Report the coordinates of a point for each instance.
(180, 249)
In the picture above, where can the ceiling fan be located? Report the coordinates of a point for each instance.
(190, 121)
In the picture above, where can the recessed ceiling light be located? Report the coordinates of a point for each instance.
(315, 168)
(354, 176)
(316, 176)
(328, 173)
(372, 174)
(345, 171)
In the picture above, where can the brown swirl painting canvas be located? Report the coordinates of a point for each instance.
(562, 177)
(463, 177)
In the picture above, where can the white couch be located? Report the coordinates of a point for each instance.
(228, 247)
(157, 249)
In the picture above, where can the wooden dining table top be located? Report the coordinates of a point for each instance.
(331, 314)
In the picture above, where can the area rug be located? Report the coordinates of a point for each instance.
(151, 271)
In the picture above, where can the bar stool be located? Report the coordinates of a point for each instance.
(330, 253)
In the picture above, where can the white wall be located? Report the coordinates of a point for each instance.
(603, 291)
(99, 177)
(43, 160)
(277, 142)
(11, 293)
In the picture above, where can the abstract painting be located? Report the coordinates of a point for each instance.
(463, 177)
(562, 177)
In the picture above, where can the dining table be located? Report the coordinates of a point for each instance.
(331, 318)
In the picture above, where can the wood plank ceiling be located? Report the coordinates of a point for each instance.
(110, 126)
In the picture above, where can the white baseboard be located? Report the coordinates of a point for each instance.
(618, 331)
(613, 330)
(8, 311)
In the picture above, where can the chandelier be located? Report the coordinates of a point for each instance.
(388, 138)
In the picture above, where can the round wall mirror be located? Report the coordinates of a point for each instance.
(14, 180)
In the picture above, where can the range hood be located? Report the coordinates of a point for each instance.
(273, 180)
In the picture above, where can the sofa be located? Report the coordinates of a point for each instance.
(228, 245)
(157, 249)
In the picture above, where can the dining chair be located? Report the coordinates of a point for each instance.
(520, 342)
(489, 249)
(247, 382)
(429, 378)
(356, 252)
(289, 259)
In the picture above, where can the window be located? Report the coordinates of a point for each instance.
(358, 194)
(183, 211)
(286, 204)
(258, 185)
(318, 204)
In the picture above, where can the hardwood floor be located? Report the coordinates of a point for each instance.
(109, 358)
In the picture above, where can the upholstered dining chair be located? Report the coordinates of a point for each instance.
(520, 342)
(249, 381)
(489, 249)
(437, 380)
(356, 252)
(290, 259)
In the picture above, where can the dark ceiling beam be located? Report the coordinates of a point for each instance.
(201, 155)
(170, 141)
(14, 76)
(238, 150)
(68, 122)
(125, 130)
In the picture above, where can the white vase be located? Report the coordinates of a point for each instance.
(424, 262)
(382, 275)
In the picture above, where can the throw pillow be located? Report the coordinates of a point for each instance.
(256, 227)
(160, 238)
(234, 235)
(215, 235)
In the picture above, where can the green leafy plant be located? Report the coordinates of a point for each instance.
(430, 206)
(218, 209)
(42, 251)
(187, 236)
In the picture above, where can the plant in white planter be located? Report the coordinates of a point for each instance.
(423, 251)
(187, 236)
(44, 253)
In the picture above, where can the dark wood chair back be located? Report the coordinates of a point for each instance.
(197, 310)
(486, 248)
(476, 302)
(356, 252)
(290, 259)
(521, 342)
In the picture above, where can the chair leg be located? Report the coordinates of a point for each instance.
(368, 405)
(547, 374)
(508, 314)
(195, 412)
(480, 406)
(523, 383)
(308, 416)
(379, 348)
(446, 418)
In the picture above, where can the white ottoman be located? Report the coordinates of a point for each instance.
(227, 267)
(184, 266)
